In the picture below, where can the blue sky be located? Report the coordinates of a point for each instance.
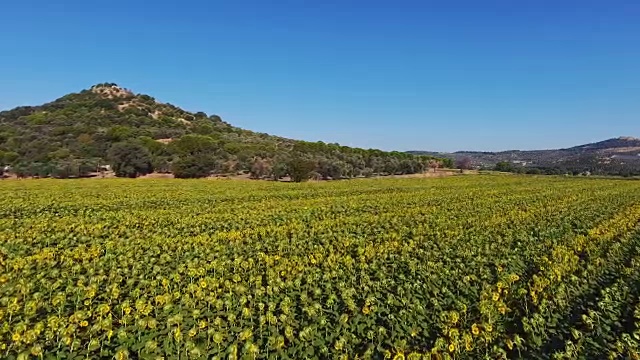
(433, 75)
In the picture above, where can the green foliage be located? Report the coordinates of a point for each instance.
(447, 163)
(279, 169)
(192, 166)
(331, 169)
(119, 133)
(130, 159)
(192, 145)
(154, 147)
(8, 157)
(300, 169)
(504, 166)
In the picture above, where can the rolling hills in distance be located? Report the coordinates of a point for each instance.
(617, 156)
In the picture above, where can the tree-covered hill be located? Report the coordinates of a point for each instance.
(82, 132)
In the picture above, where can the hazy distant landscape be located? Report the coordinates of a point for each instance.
(618, 156)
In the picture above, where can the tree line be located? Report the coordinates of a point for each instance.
(195, 156)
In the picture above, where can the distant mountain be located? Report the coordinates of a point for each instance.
(618, 156)
(74, 134)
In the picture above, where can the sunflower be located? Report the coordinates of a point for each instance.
(475, 329)
(218, 338)
(509, 344)
(455, 317)
(288, 332)
(253, 349)
(16, 337)
(177, 334)
(122, 355)
(151, 346)
(245, 334)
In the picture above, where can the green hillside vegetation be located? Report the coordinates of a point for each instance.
(80, 133)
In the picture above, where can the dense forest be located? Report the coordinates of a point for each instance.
(110, 128)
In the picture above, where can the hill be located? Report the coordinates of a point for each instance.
(618, 156)
(78, 133)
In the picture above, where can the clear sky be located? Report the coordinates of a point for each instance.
(396, 75)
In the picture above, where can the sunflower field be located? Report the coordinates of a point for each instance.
(467, 267)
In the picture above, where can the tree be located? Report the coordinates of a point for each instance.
(260, 169)
(300, 169)
(8, 157)
(279, 170)
(504, 166)
(391, 165)
(194, 145)
(21, 170)
(191, 167)
(434, 164)
(367, 172)
(161, 164)
(130, 159)
(331, 169)
(154, 147)
(463, 163)
(119, 133)
(406, 166)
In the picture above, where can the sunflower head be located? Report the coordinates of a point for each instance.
(475, 330)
